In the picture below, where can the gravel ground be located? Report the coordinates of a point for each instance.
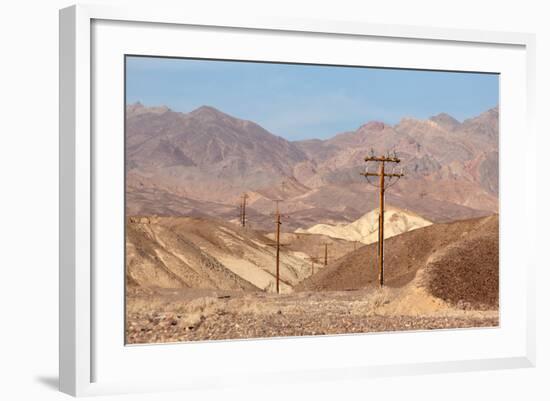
(174, 316)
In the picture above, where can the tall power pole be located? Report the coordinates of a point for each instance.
(382, 175)
(277, 243)
(243, 209)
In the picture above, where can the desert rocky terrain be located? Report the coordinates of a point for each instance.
(193, 272)
(160, 316)
(444, 275)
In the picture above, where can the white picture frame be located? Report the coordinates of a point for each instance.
(84, 348)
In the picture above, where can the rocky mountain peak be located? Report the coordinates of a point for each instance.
(485, 125)
(445, 120)
(138, 108)
(208, 113)
(373, 126)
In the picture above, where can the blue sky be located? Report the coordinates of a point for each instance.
(305, 101)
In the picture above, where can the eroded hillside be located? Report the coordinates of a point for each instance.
(455, 262)
(197, 252)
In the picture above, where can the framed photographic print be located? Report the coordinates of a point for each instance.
(289, 199)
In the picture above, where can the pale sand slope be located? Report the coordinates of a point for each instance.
(365, 229)
(189, 252)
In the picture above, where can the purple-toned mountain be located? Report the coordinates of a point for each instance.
(205, 152)
(180, 161)
(446, 121)
(443, 159)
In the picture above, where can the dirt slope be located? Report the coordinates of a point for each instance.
(456, 262)
(182, 252)
(313, 245)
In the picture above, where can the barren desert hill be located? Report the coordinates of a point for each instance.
(205, 146)
(313, 245)
(211, 157)
(456, 262)
(197, 278)
(156, 256)
(446, 121)
(148, 198)
(430, 149)
(365, 229)
(199, 252)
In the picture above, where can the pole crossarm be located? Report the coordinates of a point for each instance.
(385, 174)
(389, 159)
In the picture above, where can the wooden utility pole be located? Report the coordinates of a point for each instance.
(313, 259)
(277, 244)
(243, 209)
(381, 174)
(278, 239)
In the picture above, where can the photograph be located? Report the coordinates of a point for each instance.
(273, 199)
(301, 200)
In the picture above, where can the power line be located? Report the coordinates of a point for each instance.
(382, 186)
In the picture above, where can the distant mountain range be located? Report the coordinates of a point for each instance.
(199, 163)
